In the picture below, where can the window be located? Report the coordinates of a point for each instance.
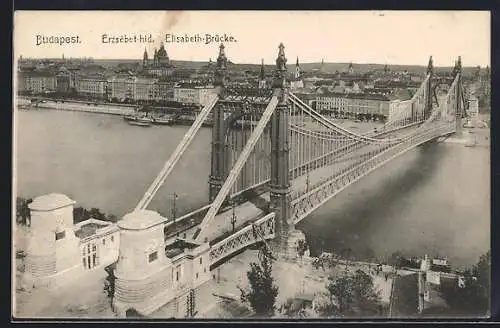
(196, 275)
(153, 256)
(60, 235)
(104, 241)
(177, 273)
(201, 260)
(112, 238)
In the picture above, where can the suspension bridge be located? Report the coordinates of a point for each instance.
(274, 160)
(290, 160)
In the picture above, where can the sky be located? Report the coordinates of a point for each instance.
(390, 37)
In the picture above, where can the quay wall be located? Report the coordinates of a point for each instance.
(82, 107)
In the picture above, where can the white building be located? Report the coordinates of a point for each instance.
(99, 243)
(58, 250)
(189, 93)
(146, 89)
(36, 82)
(473, 107)
(92, 86)
(152, 274)
(399, 110)
(123, 87)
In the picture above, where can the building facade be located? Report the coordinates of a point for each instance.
(60, 251)
(93, 87)
(353, 103)
(37, 82)
(146, 89)
(123, 88)
(155, 276)
(188, 93)
(151, 274)
(473, 107)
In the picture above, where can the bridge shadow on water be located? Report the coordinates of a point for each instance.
(343, 224)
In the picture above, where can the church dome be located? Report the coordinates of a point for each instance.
(162, 52)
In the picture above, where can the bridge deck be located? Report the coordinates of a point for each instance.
(244, 213)
(256, 208)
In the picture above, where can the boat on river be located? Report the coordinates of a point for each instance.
(163, 120)
(142, 123)
(130, 117)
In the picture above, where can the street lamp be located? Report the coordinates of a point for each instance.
(307, 181)
(233, 217)
(174, 210)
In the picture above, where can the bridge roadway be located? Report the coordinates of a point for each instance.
(257, 207)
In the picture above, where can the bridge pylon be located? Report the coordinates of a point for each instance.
(280, 179)
(219, 169)
(460, 108)
(429, 89)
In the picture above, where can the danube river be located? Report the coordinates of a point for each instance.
(434, 199)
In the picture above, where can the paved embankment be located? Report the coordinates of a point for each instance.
(111, 109)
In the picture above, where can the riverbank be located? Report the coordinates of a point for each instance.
(470, 137)
(80, 107)
(296, 278)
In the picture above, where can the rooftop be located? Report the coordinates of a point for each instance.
(50, 202)
(193, 85)
(353, 95)
(140, 220)
(88, 229)
(35, 73)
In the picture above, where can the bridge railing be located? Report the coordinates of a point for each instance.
(185, 222)
(308, 201)
(245, 237)
(349, 146)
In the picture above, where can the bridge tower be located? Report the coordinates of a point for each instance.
(428, 91)
(280, 180)
(219, 168)
(459, 95)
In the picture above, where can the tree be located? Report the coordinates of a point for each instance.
(262, 291)
(97, 214)
(474, 297)
(23, 214)
(352, 295)
(81, 214)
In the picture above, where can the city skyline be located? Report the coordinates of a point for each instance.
(467, 34)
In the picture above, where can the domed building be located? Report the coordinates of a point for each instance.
(160, 65)
(161, 57)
